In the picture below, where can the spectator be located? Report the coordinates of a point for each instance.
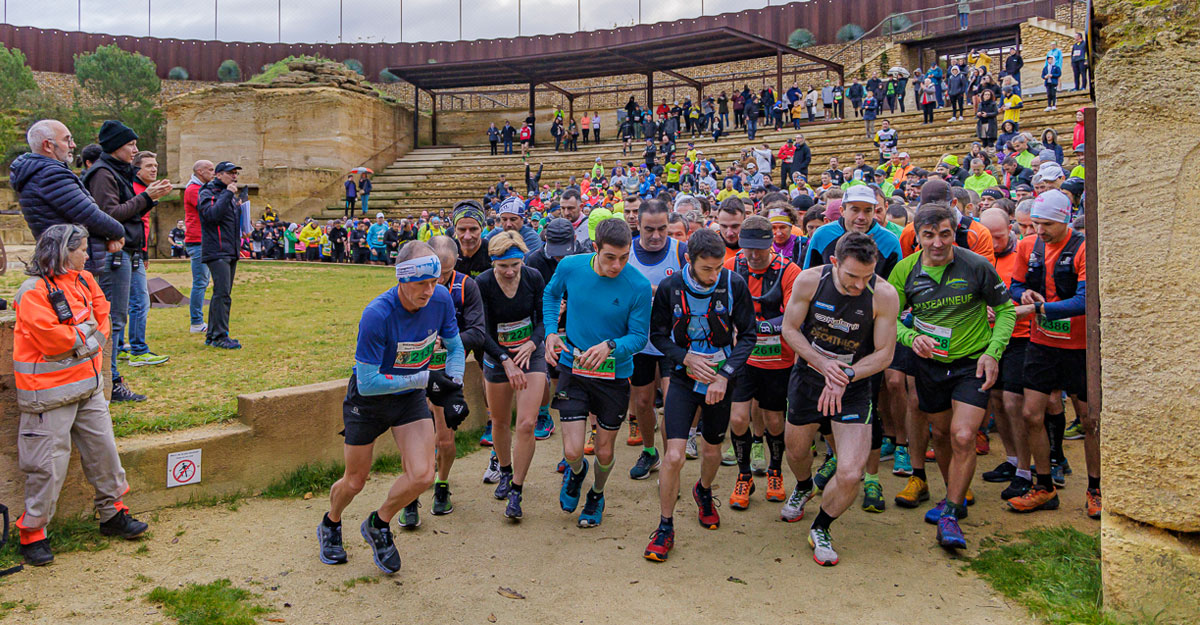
(145, 167)
(507, 134)
(802, 157)
(177, 237)
(375, 240)
(957, 91)
(364, 189)
(493, 135)
(857, 94)
(110, 181)
(351, 194)
(337, 238)
(360, 249)
(311, 235)
(202, 172)
(985, 116)
(1013, 65)
(1051, 72)
(1050, 142)
(220, 217)
(595, 127)
(585, 126)
(1008, 132)
(89, 155)
(1079, 62)
(870, 111)
(928, 100)
(750, 111)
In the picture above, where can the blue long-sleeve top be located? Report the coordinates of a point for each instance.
(395, 345)
(1065, 309)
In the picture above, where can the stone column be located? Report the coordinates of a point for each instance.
(1149, 281)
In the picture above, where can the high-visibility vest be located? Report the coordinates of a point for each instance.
(56, 363)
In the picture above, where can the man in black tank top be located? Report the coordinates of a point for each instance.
(841, 322)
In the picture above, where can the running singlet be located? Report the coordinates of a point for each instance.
(839, 326)
(1006, 263)
(401, 342)
(655, 266)
(949, 304)
(511, 321)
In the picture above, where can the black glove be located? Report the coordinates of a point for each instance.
(447, 394)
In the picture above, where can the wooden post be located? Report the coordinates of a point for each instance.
(1091, 219)
(433, 118)
(650, 92)
(778, 73)
(416, 125)
(532, 105)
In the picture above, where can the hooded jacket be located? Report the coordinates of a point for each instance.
(220, 222)
(50, 194)
(110, 182)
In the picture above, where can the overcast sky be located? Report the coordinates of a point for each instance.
(362, 20)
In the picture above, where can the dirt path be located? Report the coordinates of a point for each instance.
(891, 571)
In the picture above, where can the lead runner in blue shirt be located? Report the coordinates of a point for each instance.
(396, 339)
(608, 321)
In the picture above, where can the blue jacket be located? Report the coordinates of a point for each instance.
(1051, 73)
(50, 194)
(220, 222)
(870, 108)
(532, 240)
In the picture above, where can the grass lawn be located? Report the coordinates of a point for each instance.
(297, 322)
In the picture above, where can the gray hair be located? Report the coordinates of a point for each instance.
(685, 200)
(39, 133)
(53, 247)
(1026, 206)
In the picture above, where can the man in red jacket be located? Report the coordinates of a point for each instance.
(202, 172)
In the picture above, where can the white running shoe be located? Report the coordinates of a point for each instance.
(793, 508)
(822, 547)
(492, 475)
(198, 328)
(691, 451)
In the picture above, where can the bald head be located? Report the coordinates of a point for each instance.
(51, 138)
(996, 221)
(204, 170)
(447, 252)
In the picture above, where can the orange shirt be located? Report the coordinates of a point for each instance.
(762, 357)
(979, 240)
(1053, 336)
(1004, 266)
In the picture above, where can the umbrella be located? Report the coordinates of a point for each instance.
(360, 170)
(900, 71)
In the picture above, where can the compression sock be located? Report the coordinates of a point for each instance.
(823, 520)
(377, 522)
(327, 523)
(777, 447)
(576, 465)
(650, 450)
(602, 472)
(741, 447)
(805, 484)
(920, 473)
(1093, 482)
(1056, 425)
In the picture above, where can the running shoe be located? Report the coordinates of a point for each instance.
(330, 540)
(568, 497)
(590, 448)
(758, 458)
(1036, 498)
(441, 499)
(887, 450)
(970, 499)
(383, 547)
(982, 444)
(635, 434)
(513, 509)
(949, 534)
(825, 473)
(689, 450)
(709, 519)
(1019, 486)
(729, 457)
(593, 510)
(645, 465)
(775, 485)
(503, 486)
(914, 492)
(198, 328)
(544, 427)
(1094, 505)
(410, 519)
(902, 463)
(660, 545)
(486, 439)
(1058, 473)
(739, 499)
(1066, 466)
(822, 547)
(491, 475)
(123, 354)
(935, 513)
(873, 497)
(147, 359)
(562, 466)
(929, 455)
(793, 510)
(225, 343)
(121, 392)
(1074, 431)
(1004, 472)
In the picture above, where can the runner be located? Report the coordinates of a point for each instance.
(729, 220)
(514, 365)
(841, 321)
(657, 257)
(769, 276)
(969, 234)
(607, 322)
(703, 321)
(468, 218)
(1055, 360)
(396, 339)
(950, 289)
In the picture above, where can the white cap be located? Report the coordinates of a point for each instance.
(859, 193)
(379, 215)
(1050, 171)
(1053, 205)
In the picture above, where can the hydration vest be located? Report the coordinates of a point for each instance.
(1065, 278)
(770, 299)
(720, 301)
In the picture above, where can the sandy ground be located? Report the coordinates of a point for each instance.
(753, 569)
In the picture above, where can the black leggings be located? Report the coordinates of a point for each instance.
(927, 109)
(1051, 95)
(956, 105)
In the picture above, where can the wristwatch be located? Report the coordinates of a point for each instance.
(503, 357)
(612, 345)
(1037, 307)
(849, 372)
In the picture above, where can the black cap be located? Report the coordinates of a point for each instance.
(995, 194)
(1074, 185)
(114, 134)
(754, 239)
(560, 237)
(1023, 187)
(225, 166)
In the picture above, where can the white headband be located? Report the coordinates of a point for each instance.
(418, 269)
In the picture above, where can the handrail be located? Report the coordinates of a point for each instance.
(323, 191)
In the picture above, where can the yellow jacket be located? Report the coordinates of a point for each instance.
(311, 234)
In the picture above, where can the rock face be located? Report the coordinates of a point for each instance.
(322, 74)
(1151, 403)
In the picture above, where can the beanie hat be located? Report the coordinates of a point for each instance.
(1053, 205)
(114, 134)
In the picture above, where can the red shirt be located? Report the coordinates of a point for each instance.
(1004, 266)
(191, 218)
(138, 187)
(526, 133)
(1040, 334)
(790, 271)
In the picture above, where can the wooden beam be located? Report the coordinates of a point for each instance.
(1091, 218)
(651, 67)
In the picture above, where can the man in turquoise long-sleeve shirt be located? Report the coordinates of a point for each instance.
(608, 321)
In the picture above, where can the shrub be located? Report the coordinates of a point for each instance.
(801, 38)
(15, 77)
(229, 71)
(387, 77)
(355, 65)
(897, 24)
(177, 73)
(849, 33)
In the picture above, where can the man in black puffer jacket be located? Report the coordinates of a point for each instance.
(50, 193)
(220, 219)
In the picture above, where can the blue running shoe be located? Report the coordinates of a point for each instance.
(887, 450)
(935, 513)
(513, 509)
(383, 547)
(1058, 474)
(825, 473)
(901, 462)
(593, 510)
(949, 534)
(505, 485)
(486, 439)
(568, 497)
(544, 427)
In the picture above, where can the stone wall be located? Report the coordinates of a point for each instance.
(1035, 43)
(1151, 398)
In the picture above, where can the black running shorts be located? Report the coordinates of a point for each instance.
(494, 372)
(365, 418)
(804, 393)
(939, 384)
(902, 360)
(768, 386)
(647, 368)
(680, 407)
(1012, 366)
(577, 396)
(1049, 369)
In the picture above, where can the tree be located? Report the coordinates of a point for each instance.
(801, 38)
(897, 24)
(178, 73)
(121, 85)
(229, 71)
(849, 33)
(15, 77)
(387, 77)
(355, 65)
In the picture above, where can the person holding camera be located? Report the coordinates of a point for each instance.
(220, 208)
(58, 345)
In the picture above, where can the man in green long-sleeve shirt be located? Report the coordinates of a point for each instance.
(952, 293)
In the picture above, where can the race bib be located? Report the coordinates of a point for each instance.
(716, 360)
(514, 333)
(606, 370)
(939, 334)
(1058, 329)
(438, 361)
(768, 347)
(415, 355)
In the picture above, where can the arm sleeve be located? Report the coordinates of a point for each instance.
(661, 324)
(1068, 308)
(743, 321)
(637, 335)
(1006, 320)
(474, 329)
(372, 382)
(898, 277)
(456, 357)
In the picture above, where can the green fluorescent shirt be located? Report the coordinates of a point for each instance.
(893, 228)
(950, 305)
(981, 183)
